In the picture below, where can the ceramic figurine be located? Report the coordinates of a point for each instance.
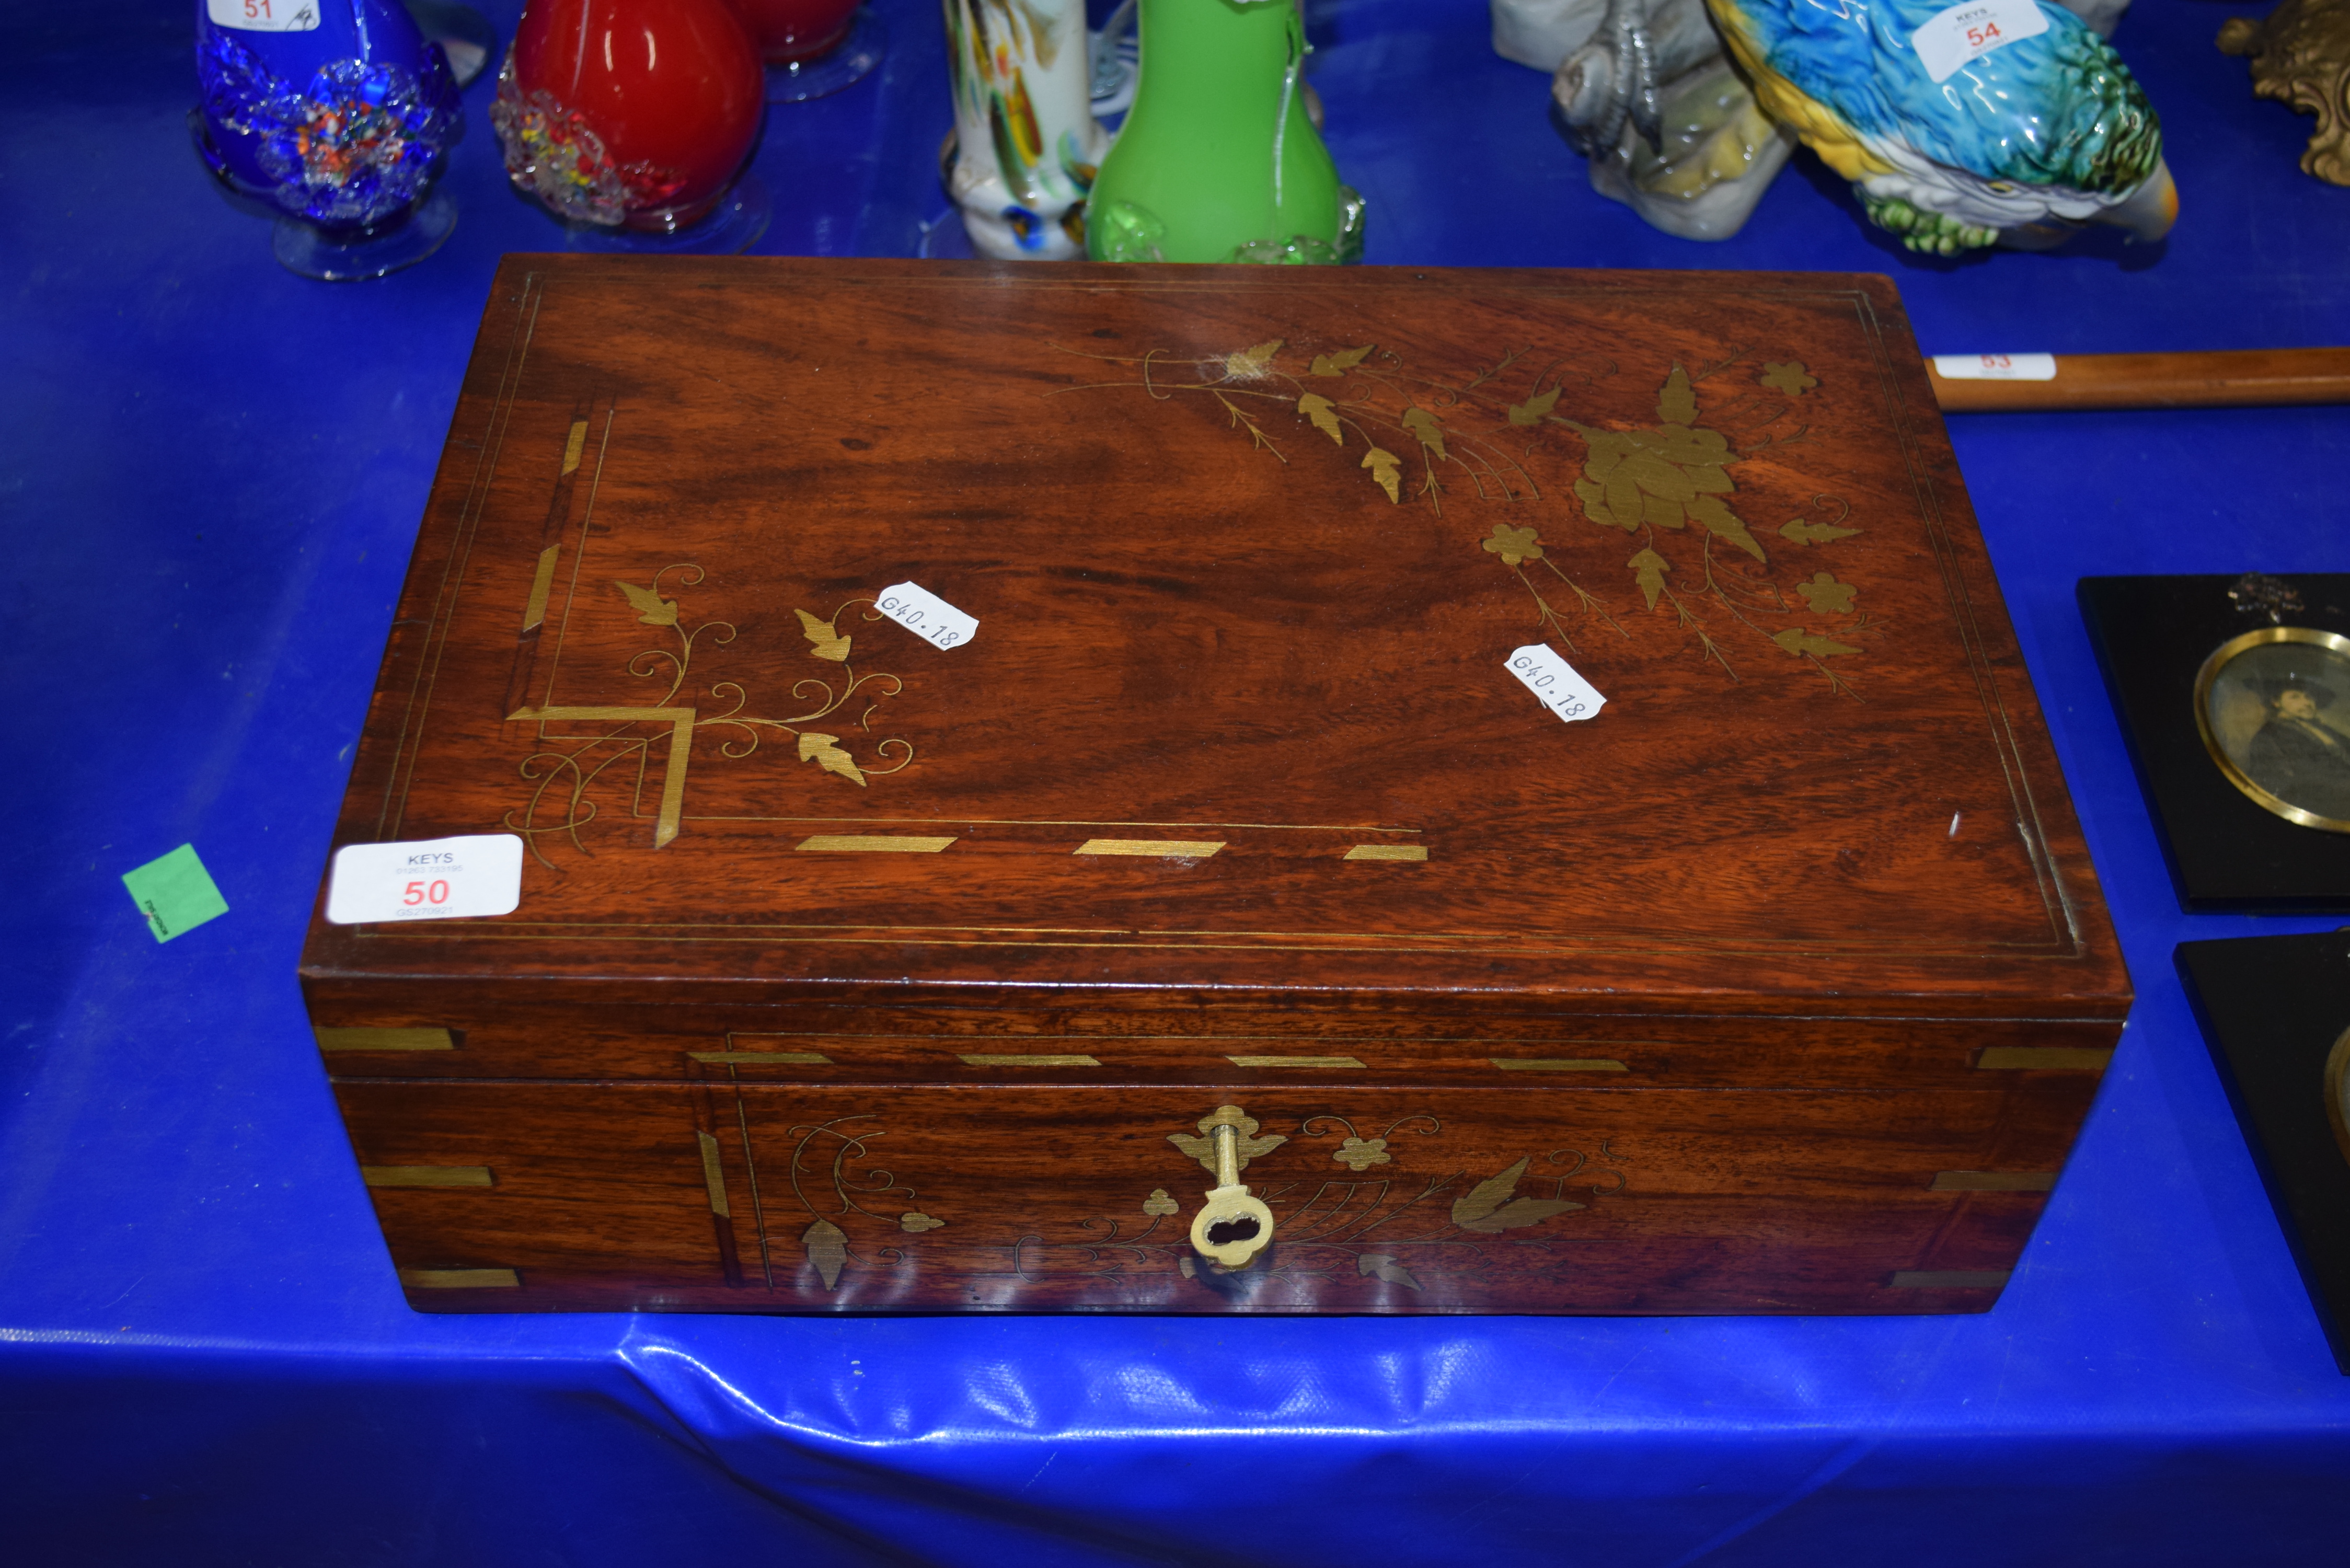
(1646, 95)
(335, 114)
(1025, 145)
(1218, 160)
(2301, 56)
(2017, 135)
(629, 114)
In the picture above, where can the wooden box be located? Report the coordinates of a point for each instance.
(851, 972)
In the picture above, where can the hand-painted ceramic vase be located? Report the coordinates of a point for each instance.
(635, 113)
(1027, 143)
(1219, 161)
(334, 112)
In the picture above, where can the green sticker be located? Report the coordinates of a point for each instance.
(175, 893)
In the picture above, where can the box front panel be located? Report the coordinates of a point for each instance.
(733, 1196)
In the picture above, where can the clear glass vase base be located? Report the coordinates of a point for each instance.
(731, 227)
(847, 62)
(333, 257)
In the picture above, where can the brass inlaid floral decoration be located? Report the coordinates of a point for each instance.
(1667, 485)
(570, 764)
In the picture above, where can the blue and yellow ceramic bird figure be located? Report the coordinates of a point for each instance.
(2007, 121)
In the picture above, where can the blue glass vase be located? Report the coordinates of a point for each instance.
(336, 116)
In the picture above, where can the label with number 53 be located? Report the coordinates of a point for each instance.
(1553, 680)
(427, 879)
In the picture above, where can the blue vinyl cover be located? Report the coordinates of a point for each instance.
(211, 472)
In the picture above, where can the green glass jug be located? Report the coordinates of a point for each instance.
(1219, 161)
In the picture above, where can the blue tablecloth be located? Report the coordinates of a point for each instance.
(211, 471)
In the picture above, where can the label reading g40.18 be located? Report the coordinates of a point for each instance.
(264, 15)
(926, 614)
(1554, 681)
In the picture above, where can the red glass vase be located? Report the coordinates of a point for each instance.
(790, 30)
(630, 113)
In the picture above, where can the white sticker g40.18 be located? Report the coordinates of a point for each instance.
(430, 879)
(1995, 367)
(1952, 37)
(927, 615)
(1554, 681)
(264, 15)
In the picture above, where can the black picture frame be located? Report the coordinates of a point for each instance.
(2228, 848)
(2275, 1012)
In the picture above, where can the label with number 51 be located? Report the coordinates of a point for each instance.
(264, 15)
(428, 879)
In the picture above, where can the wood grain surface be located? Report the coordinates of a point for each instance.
(1231, 793)
(1060, 1197)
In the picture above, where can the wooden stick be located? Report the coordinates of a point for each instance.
(2200, 380)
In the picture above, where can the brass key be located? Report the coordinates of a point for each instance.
(1233, 1228)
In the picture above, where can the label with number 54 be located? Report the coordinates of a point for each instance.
(428, 879)
(1952, 37)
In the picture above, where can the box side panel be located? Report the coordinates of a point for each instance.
(428, 1030)
(763, 1197)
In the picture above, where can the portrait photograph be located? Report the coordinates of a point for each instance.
(2274, 710)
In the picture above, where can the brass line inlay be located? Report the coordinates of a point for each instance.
(1293, 1061)
(872, 843)
(425, 1175)
(575, 445)
(460, 1279)
(713, 1175)
(386, 1039)
(680, 746)
(1951, 1279)
(1993, 1181)
(1388, 852)
(996, 1061)
(2043, 1058)
(1171, 849)
(773, 1058)
(534, 611)
(1558, 1064)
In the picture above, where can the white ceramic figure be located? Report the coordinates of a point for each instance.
(1646, 95)
(1026, 144)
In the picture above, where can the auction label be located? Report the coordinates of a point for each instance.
(264, 15)
(431, 879)
(1952, 37)
(927, 615)
(1995, 367)
(1553, 680)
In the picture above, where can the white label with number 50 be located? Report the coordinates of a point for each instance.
(1555, 682)
(927, 615)
(428, 879)
(264, 15)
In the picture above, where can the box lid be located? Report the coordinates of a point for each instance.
(1251, 553)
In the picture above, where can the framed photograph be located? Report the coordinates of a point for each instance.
(2275, 1012)
(2234, 696)
(2270, 706)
